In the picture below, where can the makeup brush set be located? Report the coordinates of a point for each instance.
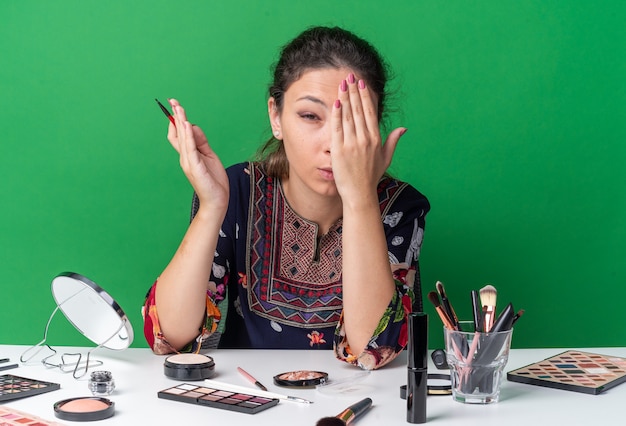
(479, 344)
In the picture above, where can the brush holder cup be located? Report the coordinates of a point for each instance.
(476, 361)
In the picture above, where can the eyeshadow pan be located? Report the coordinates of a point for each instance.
(217, 398)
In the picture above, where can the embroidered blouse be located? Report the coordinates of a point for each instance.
(275, 284)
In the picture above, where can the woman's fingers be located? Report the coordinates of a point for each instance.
(370, 113)
(389, 147)
(356, 110)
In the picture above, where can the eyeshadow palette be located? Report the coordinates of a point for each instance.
(13, 417)
(217, 398)
(15, 387)
(574, 371)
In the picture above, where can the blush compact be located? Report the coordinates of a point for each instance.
(84, 409)
(300, 378)
(188, 367)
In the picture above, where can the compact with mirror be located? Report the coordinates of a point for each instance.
(94, 313)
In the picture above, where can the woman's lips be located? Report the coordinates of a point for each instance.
(326, 173)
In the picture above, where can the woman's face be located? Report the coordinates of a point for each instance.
(304, 125)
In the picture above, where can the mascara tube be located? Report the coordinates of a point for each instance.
(416, 389)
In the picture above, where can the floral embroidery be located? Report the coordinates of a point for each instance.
(316, 337)
(393, 219)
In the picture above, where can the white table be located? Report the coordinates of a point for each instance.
(138, 374)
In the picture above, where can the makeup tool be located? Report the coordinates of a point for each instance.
(434, 299)
(348, 415)
(477, 311)
(166, 112)
(251, 379)
(488, 297)
(4, 360)
(15, 387)
(8, 366)
(300, 379)
(217, 397)
(575, 371)
(251, 391)
(84, 409)
(446, 304)
(461, 345)
(189, 366)
(504, 320)
(417, 376)
(12, 417)
(101, 383)
(517, 316)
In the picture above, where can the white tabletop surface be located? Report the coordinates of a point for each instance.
(138, 375)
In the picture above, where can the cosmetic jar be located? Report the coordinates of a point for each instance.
(189, 367)
(300, 379)
(84, 409)
(101, 383)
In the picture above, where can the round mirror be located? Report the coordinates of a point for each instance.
(92, 311)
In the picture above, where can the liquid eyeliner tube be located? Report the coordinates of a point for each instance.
(416, 389)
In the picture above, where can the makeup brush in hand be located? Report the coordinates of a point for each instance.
(488, 297)
(348, 415)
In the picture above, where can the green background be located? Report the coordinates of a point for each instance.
(516, 113)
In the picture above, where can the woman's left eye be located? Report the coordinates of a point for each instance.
(309, 116)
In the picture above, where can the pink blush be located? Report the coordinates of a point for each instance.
(83, 406)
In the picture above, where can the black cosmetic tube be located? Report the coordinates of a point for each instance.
(416, 389)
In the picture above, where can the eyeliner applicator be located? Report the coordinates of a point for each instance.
(166, 112)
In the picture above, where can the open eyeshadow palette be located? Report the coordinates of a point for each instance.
(575, 371)
(217, 398)
(13, 417)
(15, 387)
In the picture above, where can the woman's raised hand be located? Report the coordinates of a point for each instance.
(359, 158)
(201, 165)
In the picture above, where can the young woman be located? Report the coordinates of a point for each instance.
(312, 245)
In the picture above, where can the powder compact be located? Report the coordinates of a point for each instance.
(300, 379)
(84, 409)
(189, 367)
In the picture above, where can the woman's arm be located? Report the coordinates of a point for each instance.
(181, 288)
(359, 160)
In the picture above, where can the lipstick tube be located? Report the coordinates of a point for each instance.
(417, 366)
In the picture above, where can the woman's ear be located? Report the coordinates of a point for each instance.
(274, 116)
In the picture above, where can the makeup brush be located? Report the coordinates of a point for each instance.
(488, 297)
(516, 316)
(477, 311)
(433, 296)
(446, 304)
(348, 415)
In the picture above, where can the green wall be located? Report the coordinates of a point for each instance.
(516, 113)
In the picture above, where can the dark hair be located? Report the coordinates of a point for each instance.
(317, 48)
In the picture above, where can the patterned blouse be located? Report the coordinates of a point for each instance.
(275, 284)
